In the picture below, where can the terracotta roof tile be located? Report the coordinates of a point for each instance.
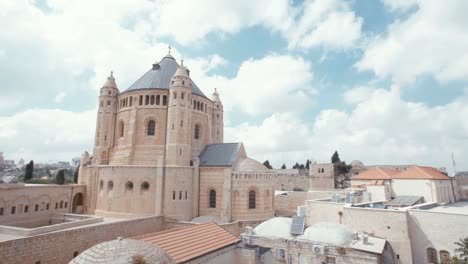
(184, 244)
(375, 174)
(421, 172)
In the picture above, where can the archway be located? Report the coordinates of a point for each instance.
(77, 203)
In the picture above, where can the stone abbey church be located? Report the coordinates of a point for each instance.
(159, 150)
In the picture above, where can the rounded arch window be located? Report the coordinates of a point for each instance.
(212, 198)
(110, 186)
(129, 186)
(101, 185)
(196, 132)
(252, 199)
(145, 186)
(121, 128)
(151, 128)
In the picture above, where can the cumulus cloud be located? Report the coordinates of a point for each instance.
(380, 129)
(47, 134)
(313, 23)
(71, 43)
(430, 41)
(272, 84)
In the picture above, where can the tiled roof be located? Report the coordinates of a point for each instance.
(160, 75)
(375, 174)
(185, 244)
(219, 154)
(421, 172)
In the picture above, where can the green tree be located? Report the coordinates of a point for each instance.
(308, 162)
(283, 167)
(267, 164)
(75, 174)
(342, 175)
(335, 158)
(60, 177)
(462, 248)
(29, 171)
(296, 166)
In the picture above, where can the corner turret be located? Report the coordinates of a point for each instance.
(218, 118)
(105, 121)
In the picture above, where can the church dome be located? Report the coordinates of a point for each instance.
(123, 251)
(278, 227)
(357, 163)
(249, 164)
(329, 233)
(160, 76)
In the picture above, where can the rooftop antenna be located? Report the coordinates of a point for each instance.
(454, 164)
(451, 178)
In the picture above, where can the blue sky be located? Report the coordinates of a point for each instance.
(384, 82)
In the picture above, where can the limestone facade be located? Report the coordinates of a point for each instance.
(322, 176)
(24, 204)
(147, 155)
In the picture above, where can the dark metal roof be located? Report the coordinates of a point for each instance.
(219, 154)
(405, 200)
(159, 77)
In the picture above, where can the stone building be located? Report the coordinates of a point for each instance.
(159, 150)
(322, 176)
(319, 243)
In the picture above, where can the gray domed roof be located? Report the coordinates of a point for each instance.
(160, 75)
(329, 233)
(123, 251)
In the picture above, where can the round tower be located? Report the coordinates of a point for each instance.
(218, 118)
(178, 148)
(105, 121)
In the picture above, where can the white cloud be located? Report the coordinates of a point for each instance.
(58, 134)
(358, 94)
(431, 41)
(272, 84)
(76, 43)
(313, 23)
(59, 97)
(381, 129)
(325, 23)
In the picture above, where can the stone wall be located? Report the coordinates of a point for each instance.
(60, 247)
(435, 230)
(21, 202)
(388, 224)
(286, 203)
(290, 180)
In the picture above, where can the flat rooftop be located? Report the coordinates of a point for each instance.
(460, 207)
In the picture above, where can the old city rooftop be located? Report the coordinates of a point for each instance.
(188, 243)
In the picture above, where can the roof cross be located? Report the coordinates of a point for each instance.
(169, 47)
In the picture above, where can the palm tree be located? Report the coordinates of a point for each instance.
(462, 248)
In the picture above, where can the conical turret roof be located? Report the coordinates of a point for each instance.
(160, 75)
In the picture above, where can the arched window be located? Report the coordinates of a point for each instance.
(212, 199)
(101, 185)
(267, 200)
(252, 199)
(145, 186)
(431, 255)
(129, 186)
(197, 132)
(444, 256)
(110, 186)
(151, 128)
(121, 129)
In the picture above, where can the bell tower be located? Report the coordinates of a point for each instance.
(178, 148)
(105, 121)
(218, 119)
